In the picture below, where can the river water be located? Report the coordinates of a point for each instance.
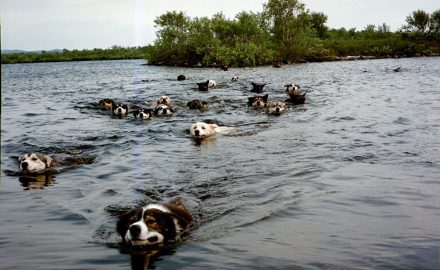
(349, 180)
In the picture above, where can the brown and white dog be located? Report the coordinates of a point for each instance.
(106, 104)
(34, 163)
(197, 104)
(154, 224)
(165, 100)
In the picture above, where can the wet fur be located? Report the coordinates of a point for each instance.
(154, 224)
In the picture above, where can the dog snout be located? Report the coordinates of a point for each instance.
(135, 231)
(24, 165)
(197, 132)
(277, 109)
(153, 239)
(119, 110)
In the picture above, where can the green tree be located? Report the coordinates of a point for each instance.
(289, 22)
(417, 21)
(317, 22)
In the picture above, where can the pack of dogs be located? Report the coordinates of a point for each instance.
(160, 223)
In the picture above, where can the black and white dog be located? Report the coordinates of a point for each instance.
(258, 101)
(119, 109)
(143, 114)
(204, 86)
(257, 87)
(154, 224)
(163, 110)
(295, 95)
(34, 163)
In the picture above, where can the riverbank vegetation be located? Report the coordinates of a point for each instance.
(283, 32)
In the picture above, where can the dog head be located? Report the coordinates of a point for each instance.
(258, 101)
(257, 87)
(292, 89)
(143, 114)
(197, 104)
(119, 109)
(181, 78)
(106, 104)
(203, 86)
(165, 100)
(201, 130)
(163, 109)
(154, 224)
(276, 108)
(212, 83)
(33, 162)
(234, 79)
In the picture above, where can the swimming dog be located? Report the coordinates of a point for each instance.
(163, 109)
(154, 224)
(275, 108)
(211, 83)
(292, 89)
(165, 100)
(34, 162)
(235, 78)
(198, 104)
(257, 87)
(202, 130)
(258, 101)
(143, 114)
(119, 109)
(204, 86)
(181, 78)
(106, 104)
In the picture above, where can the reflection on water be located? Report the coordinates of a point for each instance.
(346, 180)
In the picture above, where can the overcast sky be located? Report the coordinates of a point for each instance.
(88, 24)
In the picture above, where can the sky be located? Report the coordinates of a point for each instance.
(87, 24)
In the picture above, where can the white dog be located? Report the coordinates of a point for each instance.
(212, 83)
(201, 130)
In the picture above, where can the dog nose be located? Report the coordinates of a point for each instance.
(135, 230)
(277, 110)
(24, 165)
(152, 239)
(258, 103)
(119, 110)
(197, 132)
(164, 111)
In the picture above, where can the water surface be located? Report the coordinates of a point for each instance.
(348, 180)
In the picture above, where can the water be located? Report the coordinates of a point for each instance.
(348, 180)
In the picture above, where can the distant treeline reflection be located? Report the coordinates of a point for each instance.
(285, 31)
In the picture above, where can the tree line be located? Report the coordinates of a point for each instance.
(284, 31)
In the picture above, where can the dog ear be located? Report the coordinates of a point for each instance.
(265, 97)
(48, 161)
(213, 126)
(188, 104)
(250, 100)
(204, 103)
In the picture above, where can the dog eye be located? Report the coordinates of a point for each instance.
(34, 159)
(203, 127)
